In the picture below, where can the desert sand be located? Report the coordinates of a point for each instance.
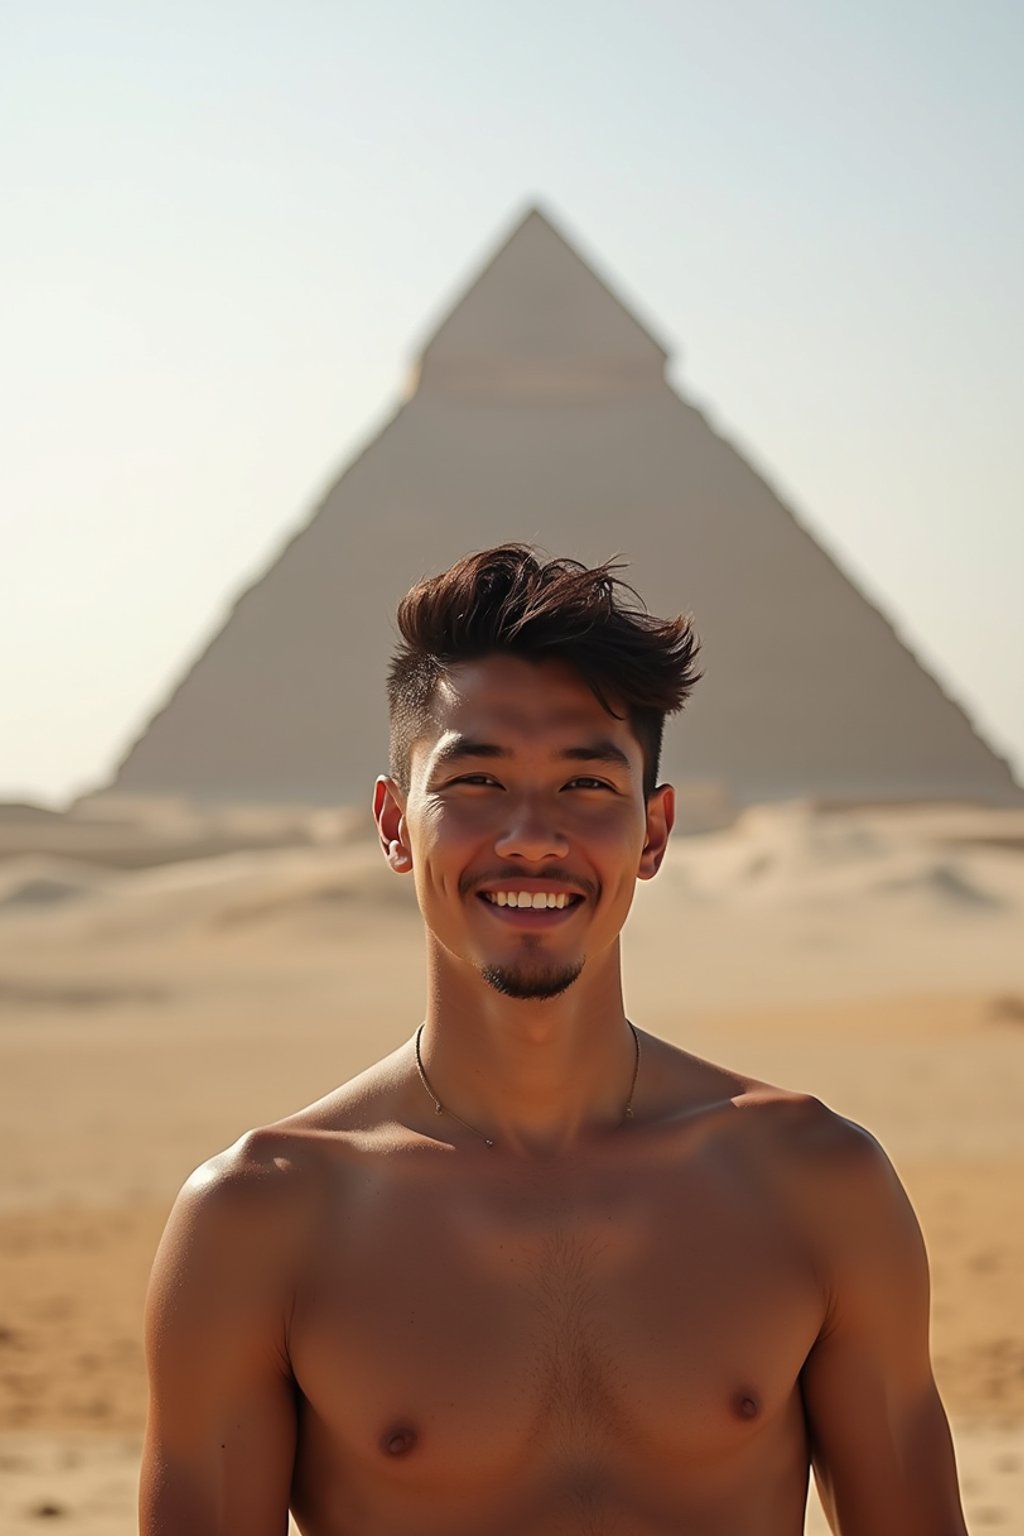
(170, 978)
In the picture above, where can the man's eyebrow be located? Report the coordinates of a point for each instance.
(458, 747)
(597, 752)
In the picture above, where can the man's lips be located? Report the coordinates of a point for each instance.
(513, 887)
(531, 917)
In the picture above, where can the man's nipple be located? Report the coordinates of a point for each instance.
(398, 1440)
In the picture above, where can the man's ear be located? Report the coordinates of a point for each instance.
(389, 815)
(661, 815)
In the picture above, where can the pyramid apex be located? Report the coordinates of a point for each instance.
(538, 319)
(538, 210)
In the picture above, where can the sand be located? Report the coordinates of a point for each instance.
(206, 978)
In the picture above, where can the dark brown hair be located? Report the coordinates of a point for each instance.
(505, 600)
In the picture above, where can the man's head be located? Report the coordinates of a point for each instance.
(504, 601)
(527, 705)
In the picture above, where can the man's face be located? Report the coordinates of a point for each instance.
(526, 789)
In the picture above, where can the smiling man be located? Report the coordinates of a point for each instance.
(540, 1273)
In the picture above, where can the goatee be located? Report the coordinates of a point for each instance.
(527, 983)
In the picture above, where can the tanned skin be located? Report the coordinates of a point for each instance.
(642, 1327)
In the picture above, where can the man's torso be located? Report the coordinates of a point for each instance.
(605, 1343)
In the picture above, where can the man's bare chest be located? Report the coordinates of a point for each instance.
(659, 1324)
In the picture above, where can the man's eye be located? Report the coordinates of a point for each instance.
(586, 782)
(476, 779)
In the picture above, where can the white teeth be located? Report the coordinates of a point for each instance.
(538, 900)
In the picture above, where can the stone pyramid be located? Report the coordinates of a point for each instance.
(540, 411)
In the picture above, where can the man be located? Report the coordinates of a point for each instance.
(539, 1272)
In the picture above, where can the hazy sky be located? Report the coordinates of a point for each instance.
(228, 227)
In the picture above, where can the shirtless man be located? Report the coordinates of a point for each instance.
(540, 1273)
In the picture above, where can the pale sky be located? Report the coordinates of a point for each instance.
(229, 227)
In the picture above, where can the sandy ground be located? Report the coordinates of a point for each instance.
(155, 1006)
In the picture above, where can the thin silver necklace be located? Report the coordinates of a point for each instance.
(488, 1141)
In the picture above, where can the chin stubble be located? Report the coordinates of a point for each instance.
(515, 981)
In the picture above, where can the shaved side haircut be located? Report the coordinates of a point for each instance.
(505, 601)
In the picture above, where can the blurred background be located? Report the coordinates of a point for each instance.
(301, 306)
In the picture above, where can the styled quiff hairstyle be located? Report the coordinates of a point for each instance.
(504, 601)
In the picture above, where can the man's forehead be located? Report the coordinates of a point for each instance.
(518, 695)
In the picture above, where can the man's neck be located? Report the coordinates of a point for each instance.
(535, 1075)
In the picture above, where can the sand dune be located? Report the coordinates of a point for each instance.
(39, 881)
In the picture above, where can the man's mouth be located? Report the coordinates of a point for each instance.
(539, 901)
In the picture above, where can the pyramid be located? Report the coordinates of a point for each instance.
(540, 411)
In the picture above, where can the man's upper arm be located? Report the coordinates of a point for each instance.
(883, 1456)
(220, 1435)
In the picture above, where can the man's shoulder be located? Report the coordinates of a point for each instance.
(807, 1133)
(829, 1170)
(788, 1134)
(263, 1161)
(291, 1162)
(252, 1197)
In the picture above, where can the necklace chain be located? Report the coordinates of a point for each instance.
(443, 1109)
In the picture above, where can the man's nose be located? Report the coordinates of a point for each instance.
(532, 832)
